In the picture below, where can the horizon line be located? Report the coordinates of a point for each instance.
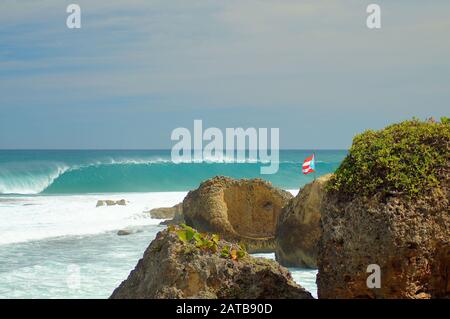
(155, 149)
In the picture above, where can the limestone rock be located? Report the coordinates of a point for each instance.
(109, 202)
(121, 202)
(298, 227)
(174, 269)
(166, 212)
(177, 219)
(100, 203)
(246, 210)
(407, 240)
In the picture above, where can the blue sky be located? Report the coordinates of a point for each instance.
(137, 69)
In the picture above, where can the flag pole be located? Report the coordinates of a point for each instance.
(314, 156)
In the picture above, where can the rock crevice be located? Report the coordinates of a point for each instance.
(298, 228)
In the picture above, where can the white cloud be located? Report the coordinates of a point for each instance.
(208, 54)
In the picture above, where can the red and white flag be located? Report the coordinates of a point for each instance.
(309, 165)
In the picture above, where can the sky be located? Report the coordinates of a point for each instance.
(137, 69)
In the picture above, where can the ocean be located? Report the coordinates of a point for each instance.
(55, 242)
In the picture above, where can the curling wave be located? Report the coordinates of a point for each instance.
(115, 174)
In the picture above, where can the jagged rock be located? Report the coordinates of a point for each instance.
(166, 212)
(388, 205)
(403, 238)
(173, 215)
(109, 202)
(174, 269)
(246, 210)
(298, 228)
(121, 202)
(100, 203)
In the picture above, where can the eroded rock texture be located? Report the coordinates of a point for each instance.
(171, 268)
(246, 210)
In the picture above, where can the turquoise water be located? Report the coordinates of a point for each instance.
(55, 242)
(80, 172)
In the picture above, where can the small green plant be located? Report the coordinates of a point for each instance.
(225, 253)
(206, 242)
(232, 253)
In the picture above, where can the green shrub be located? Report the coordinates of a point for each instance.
(206, 242)
(408, 158)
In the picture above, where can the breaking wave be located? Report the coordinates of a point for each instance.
(136, 174)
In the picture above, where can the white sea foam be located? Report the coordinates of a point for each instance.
(37, 219)
(40, 217)
(160, 160)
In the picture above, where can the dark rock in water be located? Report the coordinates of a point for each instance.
(245, 210)
(128, 231)
(373, 215)
(121, 202)
(175, 269)
(124, 232)
(298, 228)
(109, 202)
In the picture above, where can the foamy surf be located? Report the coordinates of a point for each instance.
(41, 217)
(45, 236)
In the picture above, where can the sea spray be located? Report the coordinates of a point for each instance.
(38, 217)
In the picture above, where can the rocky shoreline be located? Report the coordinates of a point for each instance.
(377, 228)
(182, 268)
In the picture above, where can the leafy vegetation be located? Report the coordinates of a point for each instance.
(408, 158)
(232, 252)
(207, 242)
